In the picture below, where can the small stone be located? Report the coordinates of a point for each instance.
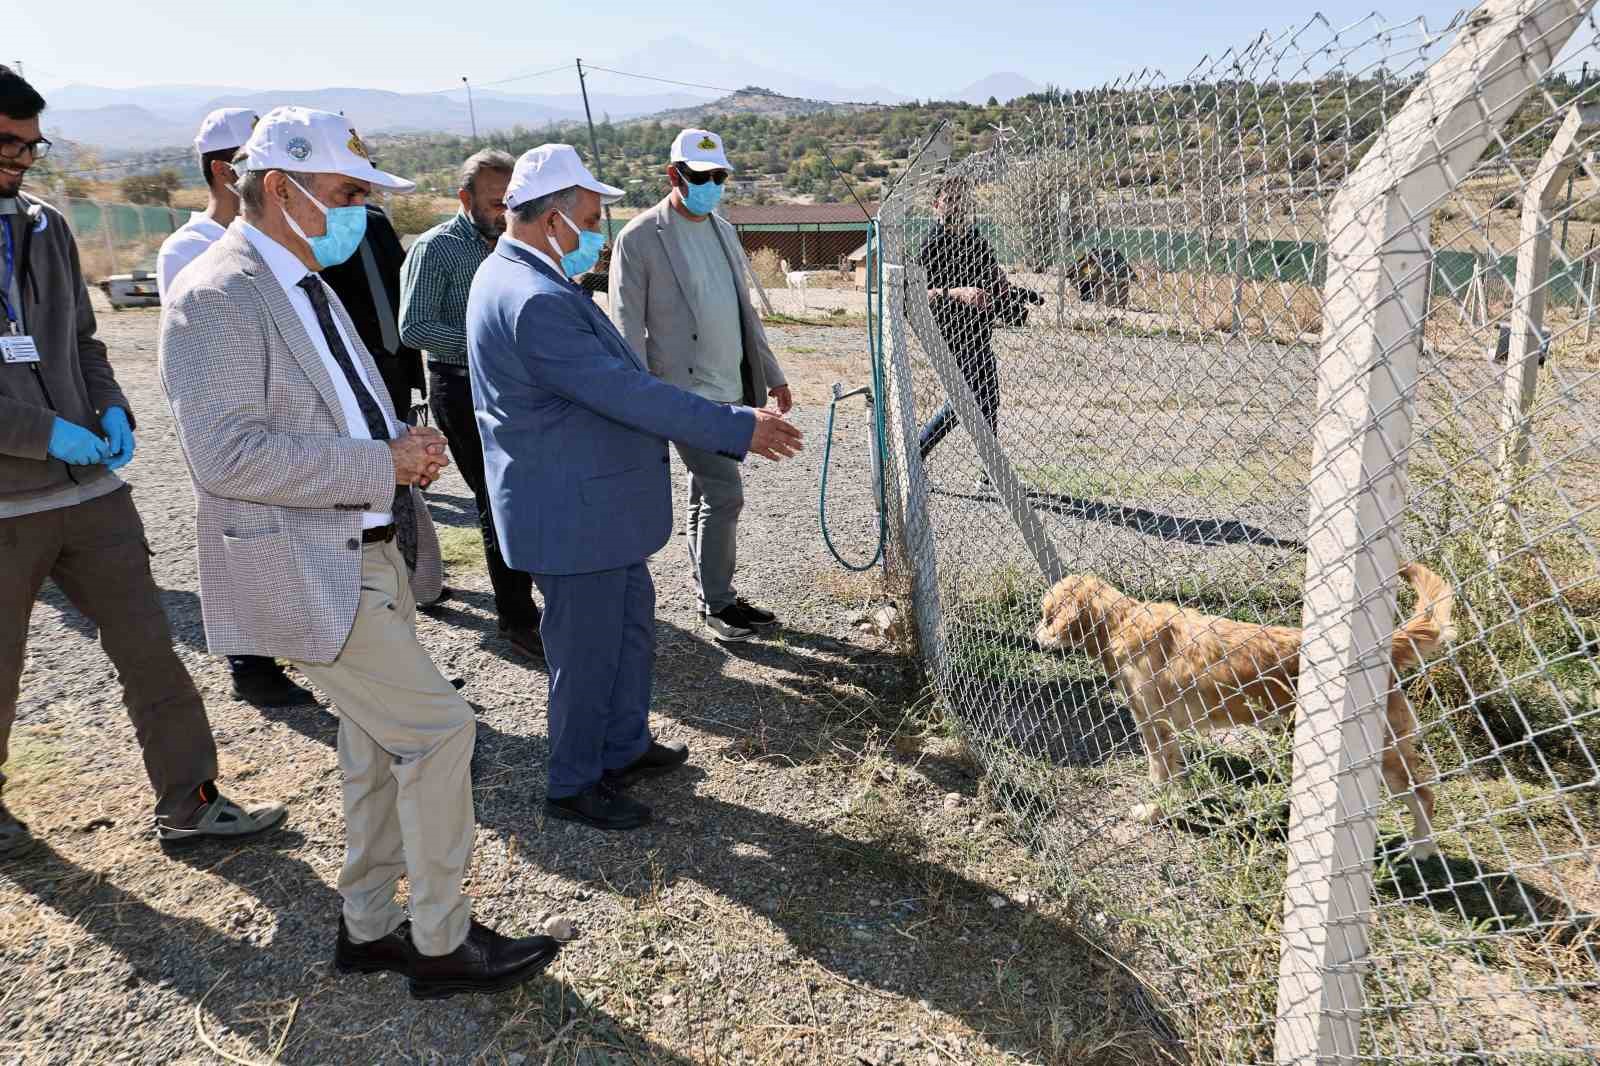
(998, 902)
(560, 928)
(952, 801)
(516, 1058)
(669, 1000)
(860, 934)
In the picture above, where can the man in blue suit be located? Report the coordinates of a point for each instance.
(575, 432)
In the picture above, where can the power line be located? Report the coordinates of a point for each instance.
(501, 81)
(751, 91)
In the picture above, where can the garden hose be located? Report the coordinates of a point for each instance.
(875, 397)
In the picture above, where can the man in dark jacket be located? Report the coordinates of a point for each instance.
(965, 290)
(64, 427)
(368, 284)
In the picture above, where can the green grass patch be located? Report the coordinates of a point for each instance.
(461, 547)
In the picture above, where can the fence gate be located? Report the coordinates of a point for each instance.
(1153, 496)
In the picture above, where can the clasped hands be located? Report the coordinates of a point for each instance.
(418, 456)
(76, 446)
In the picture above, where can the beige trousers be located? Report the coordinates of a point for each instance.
(405, 747)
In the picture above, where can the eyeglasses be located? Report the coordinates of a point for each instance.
(700, 177)
(13, 147)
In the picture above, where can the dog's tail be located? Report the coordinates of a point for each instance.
(1429, 626)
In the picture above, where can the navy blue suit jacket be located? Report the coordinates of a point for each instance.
(574, 426)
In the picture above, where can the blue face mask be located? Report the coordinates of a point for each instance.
(345, 226)
(701, 199)
(585, 256)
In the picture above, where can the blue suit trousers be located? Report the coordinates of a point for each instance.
(599, 633)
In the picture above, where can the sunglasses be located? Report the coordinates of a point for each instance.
(700, 177)
(12, 147)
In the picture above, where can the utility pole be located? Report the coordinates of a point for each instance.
(471, 110)
(18, 64)
(594, 142)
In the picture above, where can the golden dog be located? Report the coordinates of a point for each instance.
(1180, 669)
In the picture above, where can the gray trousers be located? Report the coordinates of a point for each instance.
(716, 496)
(405, 748)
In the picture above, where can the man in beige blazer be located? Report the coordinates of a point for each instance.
(306, 489)
(679, 296)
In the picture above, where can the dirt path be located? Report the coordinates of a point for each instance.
(824, 886)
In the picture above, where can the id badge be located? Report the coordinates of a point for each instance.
(18, 348)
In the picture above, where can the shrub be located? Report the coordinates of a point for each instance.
(412, 214)
(767, 266)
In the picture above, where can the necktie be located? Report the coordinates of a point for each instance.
(405, 518)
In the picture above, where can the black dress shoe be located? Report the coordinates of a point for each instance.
(485, 962)
(658, 758)
(391, 953)
(446, 594)
(601, 806)
(264, 684)
(525, 639)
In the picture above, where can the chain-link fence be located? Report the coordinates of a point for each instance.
(117, 238)
(1180, 368)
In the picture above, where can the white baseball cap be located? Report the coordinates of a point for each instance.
(700, 150)
(226, 127)
(315, 142)
(551, 168)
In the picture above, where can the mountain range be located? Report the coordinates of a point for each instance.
(146, 117)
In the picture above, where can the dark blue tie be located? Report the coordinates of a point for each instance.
(405, 518)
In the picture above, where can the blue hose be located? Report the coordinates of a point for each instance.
(875, 400)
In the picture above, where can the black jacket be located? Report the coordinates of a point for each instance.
(402, 368)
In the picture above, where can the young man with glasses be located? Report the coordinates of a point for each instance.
(709, 341)
(65, 426)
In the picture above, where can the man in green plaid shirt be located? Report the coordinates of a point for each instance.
(433, 312)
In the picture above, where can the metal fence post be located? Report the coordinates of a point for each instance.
(1559, 162)
(1378, 256)
(913, 536)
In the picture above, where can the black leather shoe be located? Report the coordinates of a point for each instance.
(446, 594)
(602, 807)
(658, 758)
(263, 683)
(390, 954)
(526, 640)
(14, 836)
(485, 962)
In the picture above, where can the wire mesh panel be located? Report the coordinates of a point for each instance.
(1253, 559)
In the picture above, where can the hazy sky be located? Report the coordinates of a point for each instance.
(918, 49)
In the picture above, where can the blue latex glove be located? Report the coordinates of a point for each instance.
(73, 444)
(120, 435)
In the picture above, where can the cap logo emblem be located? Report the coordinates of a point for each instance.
(298, 148)
(355, 145)
(707, 144)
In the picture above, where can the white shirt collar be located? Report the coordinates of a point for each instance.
(201, 220)
(551, 263)
(284, 264)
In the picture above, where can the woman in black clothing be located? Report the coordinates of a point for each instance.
(965, 288)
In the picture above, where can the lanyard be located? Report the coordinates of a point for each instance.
(11, 273)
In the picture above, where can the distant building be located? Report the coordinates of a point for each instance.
(809, 236)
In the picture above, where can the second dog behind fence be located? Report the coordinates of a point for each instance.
(1182, 670)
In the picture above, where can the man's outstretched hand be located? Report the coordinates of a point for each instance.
(774, 438)
(418, 456)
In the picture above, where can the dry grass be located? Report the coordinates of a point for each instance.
(767, 266)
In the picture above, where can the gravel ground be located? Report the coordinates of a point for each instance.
(824, 885)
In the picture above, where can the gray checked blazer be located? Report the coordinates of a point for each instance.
(654, 313)
(279, 483)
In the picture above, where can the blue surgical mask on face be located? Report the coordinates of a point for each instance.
(585, 256)
(701, 199)
(342, 234)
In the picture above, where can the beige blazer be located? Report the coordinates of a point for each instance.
(279, 483)
(656, 316)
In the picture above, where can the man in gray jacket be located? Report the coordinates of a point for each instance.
(679, 297)
(64, 427)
